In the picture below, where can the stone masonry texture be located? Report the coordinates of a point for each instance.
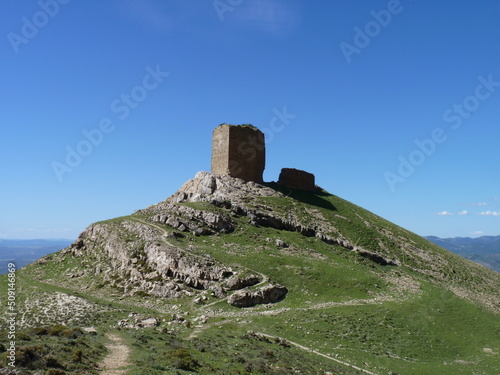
(297, 179)
(238, 151)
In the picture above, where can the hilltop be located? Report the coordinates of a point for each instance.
(313, 269)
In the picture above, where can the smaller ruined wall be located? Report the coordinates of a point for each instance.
(297, 179)
(238, 151)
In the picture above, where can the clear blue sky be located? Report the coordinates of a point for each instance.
(393, 105)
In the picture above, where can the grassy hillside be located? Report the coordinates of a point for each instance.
(432, 313)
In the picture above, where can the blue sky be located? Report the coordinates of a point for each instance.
(108, 106)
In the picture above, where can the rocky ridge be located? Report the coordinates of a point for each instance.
(139, 255)
(232, 193)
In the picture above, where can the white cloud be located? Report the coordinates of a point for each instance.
(480, 204)
(444, 213)
(478, 233)
(490, 213)
(276, 17)
(157, 16)
(464, 212)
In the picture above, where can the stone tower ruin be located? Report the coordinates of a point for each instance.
(297, 179)
(238, 151)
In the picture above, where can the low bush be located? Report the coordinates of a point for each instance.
(30, 356)
(55, 371)
(181, 359)
(39, 331)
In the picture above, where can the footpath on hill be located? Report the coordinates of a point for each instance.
(117, 360)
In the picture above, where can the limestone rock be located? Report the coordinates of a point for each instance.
(237, 282)
(223, 189)
(149, 323)
(267, 294)
(281, 243)
(140, 261)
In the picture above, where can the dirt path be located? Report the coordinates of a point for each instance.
(317, 353)
(117, 358)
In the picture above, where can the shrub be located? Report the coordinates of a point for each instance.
(181, 359)
(30, 356)
(23, 336)
(54, 371)
(52, 362)
(269, 354)
(72, 333)
(56, 330)
(39, 331)
(59, 330)
(77, 356)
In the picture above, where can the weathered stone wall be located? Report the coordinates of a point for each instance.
(297, 179)
(238, 151)
(220, 150)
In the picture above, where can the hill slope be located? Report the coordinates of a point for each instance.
(325, 282)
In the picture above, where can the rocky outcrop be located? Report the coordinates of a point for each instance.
(377, 258)
(238, 282)
(206, 187)
(186, 219)
(135, 321)
(140, 256)
(232, 193)
(265, 295)
(135, 257)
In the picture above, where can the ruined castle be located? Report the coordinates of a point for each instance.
(240, 151)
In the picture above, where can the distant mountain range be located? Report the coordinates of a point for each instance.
(23, 252)
(484, 250)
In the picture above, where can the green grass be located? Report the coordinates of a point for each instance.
(408, 337)
(339, 303)
(68, 349)
(226, 349)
